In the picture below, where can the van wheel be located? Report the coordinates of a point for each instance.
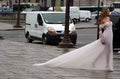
(29, 40)
(44, 40)
(87, 20)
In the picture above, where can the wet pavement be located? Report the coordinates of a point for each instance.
(17, 59)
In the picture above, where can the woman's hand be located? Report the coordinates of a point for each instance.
(102, 41)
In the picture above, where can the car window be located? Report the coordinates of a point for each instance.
(115, 13)
(39, 19)
(54, 18)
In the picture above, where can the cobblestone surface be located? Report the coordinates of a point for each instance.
(17, 59)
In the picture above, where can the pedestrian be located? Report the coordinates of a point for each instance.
(97, 55)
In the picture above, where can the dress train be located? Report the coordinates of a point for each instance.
(93, 56)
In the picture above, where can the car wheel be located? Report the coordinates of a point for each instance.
(44, 40)
(87, 20)
(29, 40)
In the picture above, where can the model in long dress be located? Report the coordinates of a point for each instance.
(97, 55)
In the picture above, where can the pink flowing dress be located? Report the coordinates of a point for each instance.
(93, 56)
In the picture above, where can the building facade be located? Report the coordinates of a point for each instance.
(48, 3)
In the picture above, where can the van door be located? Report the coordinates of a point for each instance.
(40, 27)
(30, 24)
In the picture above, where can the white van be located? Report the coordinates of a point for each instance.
(85, 15)
(74, 12)
(48, 27)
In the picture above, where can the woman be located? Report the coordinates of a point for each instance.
(97, 55)
(106, 36)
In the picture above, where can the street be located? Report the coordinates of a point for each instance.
(17, 58)
(84, 36)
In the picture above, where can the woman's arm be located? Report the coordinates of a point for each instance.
(102, 27)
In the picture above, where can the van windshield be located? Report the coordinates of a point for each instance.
(54, 18)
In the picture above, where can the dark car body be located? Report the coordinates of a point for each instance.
(116, 31)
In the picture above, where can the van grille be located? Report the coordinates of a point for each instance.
(59, 31)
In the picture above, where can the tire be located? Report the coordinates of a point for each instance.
(44, 40)
(87, 20)
(28, 38)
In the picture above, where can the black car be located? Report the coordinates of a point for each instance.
(116, 31)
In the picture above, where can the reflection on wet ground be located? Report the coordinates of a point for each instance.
(64, 73)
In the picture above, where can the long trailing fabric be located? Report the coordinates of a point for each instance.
(93, 56)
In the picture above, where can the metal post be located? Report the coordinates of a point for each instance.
(53, 4)
(79, 4)
(102, 3)
(98, 18)
(18, 16)
(42, 2)
(66, 42)
(10, 4)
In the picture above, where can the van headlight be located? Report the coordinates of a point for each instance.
(73, 30)
(51, 31)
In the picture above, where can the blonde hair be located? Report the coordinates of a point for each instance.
(104, 14)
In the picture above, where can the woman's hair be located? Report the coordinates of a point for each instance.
(104, 13)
